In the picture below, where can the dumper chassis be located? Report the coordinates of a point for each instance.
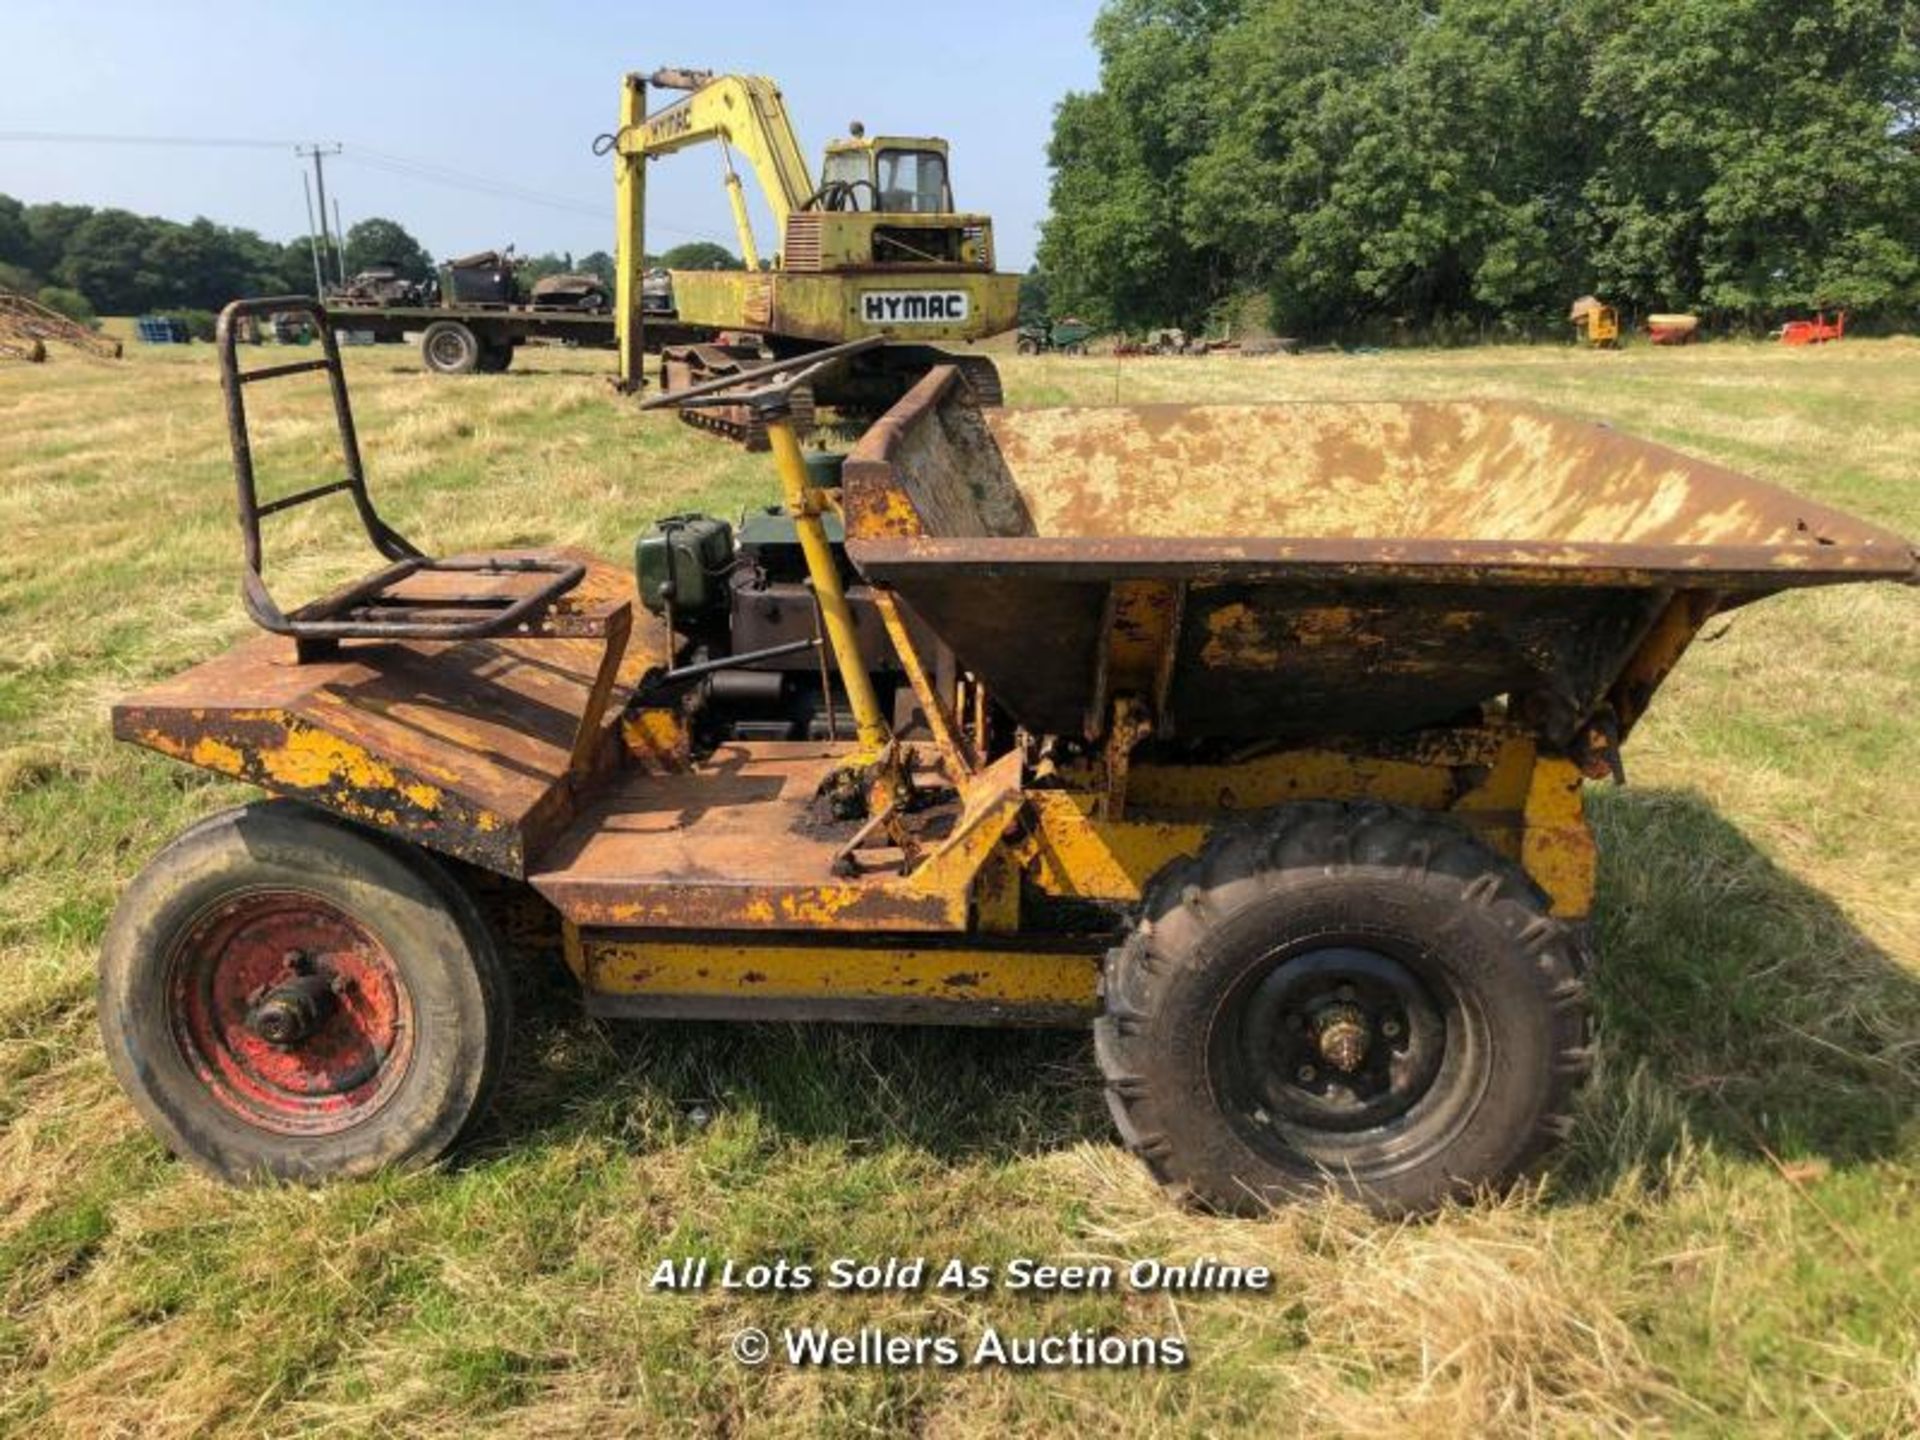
(1294, 823)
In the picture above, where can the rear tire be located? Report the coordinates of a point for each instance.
(285, 997)
(496, 357)
(1358, 999)
(450, 348)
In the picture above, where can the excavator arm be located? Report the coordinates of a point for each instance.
(743, 113)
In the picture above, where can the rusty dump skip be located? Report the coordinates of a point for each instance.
(1320, 568)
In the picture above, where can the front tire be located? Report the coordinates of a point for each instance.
(1357, 999)
(285, 997)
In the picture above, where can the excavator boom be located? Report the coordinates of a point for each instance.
(740, 112)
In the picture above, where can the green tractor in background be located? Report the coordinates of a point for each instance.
(1063, 337)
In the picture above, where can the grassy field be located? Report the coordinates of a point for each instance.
(1728, 1246)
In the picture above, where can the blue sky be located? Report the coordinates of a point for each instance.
(514, 93)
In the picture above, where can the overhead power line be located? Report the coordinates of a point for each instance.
(62, 137)
(460, 179)
(402, 166)
(437, 174)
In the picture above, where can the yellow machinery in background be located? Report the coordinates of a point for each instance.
(873, 248)
(1597, 322)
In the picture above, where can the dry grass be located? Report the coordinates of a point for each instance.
(1727, 1247)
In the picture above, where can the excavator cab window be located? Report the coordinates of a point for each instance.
(852, 169)
(914, 182)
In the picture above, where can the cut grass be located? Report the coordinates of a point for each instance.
(1726, 1247)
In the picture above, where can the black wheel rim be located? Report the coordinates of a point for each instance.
(1349, 1054)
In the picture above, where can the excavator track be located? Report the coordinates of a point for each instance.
(738, 424)
(684, 365)
(984, 376)
(877, 381)
(895, 370)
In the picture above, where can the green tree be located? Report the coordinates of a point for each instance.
(379, 241)
(532, 268)
(701, 255)
(124, 263)
(16, 240)
(1116, 243)
(1035, 297)
(70, 303)
(1755, 157)
(599, 264)
(203, 265)
(107, 259)
(18, 279)
(292, 268)
(49, 227)
(1465, 163)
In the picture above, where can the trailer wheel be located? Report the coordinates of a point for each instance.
(450, 348)
(495, 357)
(1355, 998)
(285, 997)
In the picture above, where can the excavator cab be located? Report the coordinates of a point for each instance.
(889, 174)
(891, 177)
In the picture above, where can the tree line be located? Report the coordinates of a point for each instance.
(85, 261)
(1419, 165)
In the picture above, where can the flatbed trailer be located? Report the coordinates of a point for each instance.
(481, 339)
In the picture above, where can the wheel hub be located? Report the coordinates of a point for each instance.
(292, 1013)
(1339, 1038)
(289, 1014)
(1343, 1034)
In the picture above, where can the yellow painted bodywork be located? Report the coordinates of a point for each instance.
(1075, 854)
(656, 739)
(825, 307)
(843, 239)
(282, 753)
(1523, 805)
(805, 506)
(1556, 846)
(1597, 322)
(1050, 841)
(742, 112)
(733, 968)
(630, 240)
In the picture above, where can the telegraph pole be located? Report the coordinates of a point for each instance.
(313, 243)
(318, 154)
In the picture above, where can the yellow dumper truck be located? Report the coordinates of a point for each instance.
(1252, 736)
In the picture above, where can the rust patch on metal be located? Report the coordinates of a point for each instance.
(467, 748)
(727, 846)
(1346, 568)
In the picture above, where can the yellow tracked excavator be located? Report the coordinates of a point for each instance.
(874, 247)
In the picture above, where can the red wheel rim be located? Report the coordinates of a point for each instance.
(291, 1012)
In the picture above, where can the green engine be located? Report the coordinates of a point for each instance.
(682, 564)
(741, 591)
